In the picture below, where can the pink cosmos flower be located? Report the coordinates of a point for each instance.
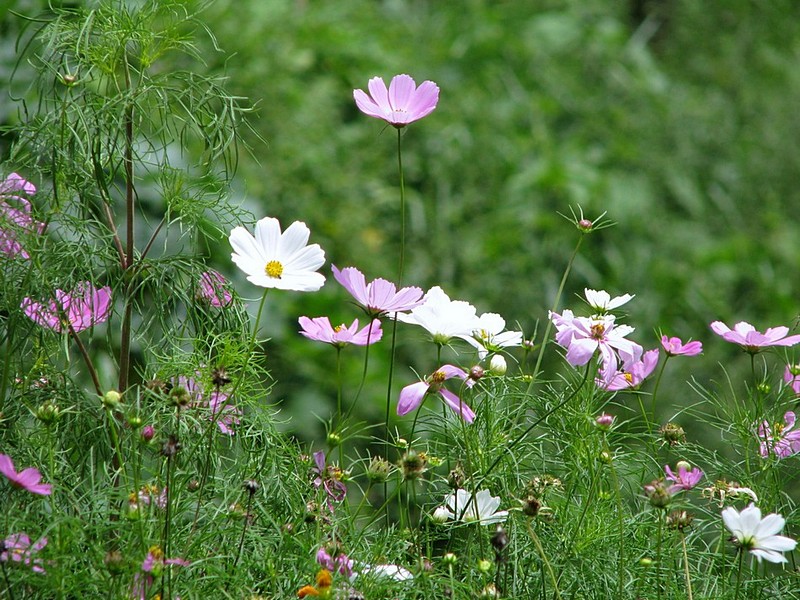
(217, 400)
(153, 566)
(754, 341)
(401, 104)
(583, 336)
(342, 563)
(18, 548)
(379, 297)
(685, 479)
(27, 479)
(213, 289)
(77, 310)
(16, 217)
(329, 478)
(412, 395)
(631, 375)
(783, 440)
(792, 377)
(320, 330)
(675, 347)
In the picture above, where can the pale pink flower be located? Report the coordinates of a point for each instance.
(754, 341)
(443, 318)
(342, 563)
(758, 536)
(379, 297)
(18, 548)
(229, 415)
(583, 336)
(684, 479)
(602, 302)
(780, 439)
(632, 375)
(401, 104)
(28, 479)
(319, 329)
(76, 310)
(152, 567)
(329, 478)
(489, 335)
(213, 289)
(675, 347)
(791, 376)
(412, 395)
(16, 218)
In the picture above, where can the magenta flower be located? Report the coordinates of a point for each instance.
(319, 329)
(27, 479)
(342, 563)
(229, 415)
(631, 375)
(18, 548)
(754, 341)
(675, 347)
(401, 104)
(77, 310)
(329, 478)
(412, 395)
(16, 217)
(213, 289)
(152, 567)
(792, 377)
(685, 479)
(781, 439)
(583, 336)
(192, 391)
(379, 297)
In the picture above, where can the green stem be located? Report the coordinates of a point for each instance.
(686, 574)
(658, 552)
(739, 575)
(402, 207)
(652, 418)
(543, 556)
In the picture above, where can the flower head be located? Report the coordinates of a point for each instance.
(15, 217)
(780, 439)
(77, 310)
(489, 335)
(757, 535)
(213, 289)
(684, 479)
(401, 104)
(480, 507)
(28, 479)
(379, 297)
(329, 478)
(320, 330)
(412, 395)
(602, 302)
(632, 375)
(273, 259)
(754, 341)
(675, 347)
(443, 318)
(18, 548)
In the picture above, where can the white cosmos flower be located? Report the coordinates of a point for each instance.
(467, 507)
(441, 317)
(489, 335)
(392, 571)
(602, 301)
(273, 259)
(757, 535)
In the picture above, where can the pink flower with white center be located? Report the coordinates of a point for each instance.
(319, 329)
(378, 297)
(16, 218)
(791, 376)
(401, 104)
(489, 335)
(73, 311)
(443, 318)
(18, 548)
(28, 479)
(412, 395)
(684, 479)
(780, 439)
(213, 289)
(758, 536)
(602, 302)
(754, 341)
(583, 336)
(675, 347)
(632, 375)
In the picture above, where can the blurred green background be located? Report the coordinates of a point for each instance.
(679, 118)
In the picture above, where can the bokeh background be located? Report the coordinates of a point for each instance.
(678, 118)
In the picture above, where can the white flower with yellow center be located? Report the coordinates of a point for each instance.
(273, 259)
(480, 507)
(758, 536)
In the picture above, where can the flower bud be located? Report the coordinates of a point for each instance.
(604, 421)
(378, 470)
(441, 515)
(456, 477)
(679, 519)
(490, 591)
(193, 485)
(658, 494)
(334, 439)
(477, 372)
(673, 434)
(111, 399)
(450, 559)
(251, 486)
(148, 433)
(530, 505)
(48, 413)
(135, 421)
(497, 365)
(484, 566)
(605, 457)
(585, 225)
(645, 562)
(682, 464)
(413, 464)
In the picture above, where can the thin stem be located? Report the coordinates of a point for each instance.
(686, 574)
(87, 359)
(244, 530)
(543, 556)
(8, 582)
(739, 575)
(658, 552)
(402, 207)
(652, 418)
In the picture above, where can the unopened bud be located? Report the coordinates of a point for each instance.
(334, 439)
(484, 566)
(450, 558)
(477, 372)
(498, 365)
(585, 225)
(673, 434)
(48, 413)
(378, 470)
(111, 399)
(148, 433)
(604, 421)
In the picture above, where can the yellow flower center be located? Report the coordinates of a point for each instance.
(339, 328)
(274, 269)
(628, 377)
(598, 330)
(438, 377)
(156, 551)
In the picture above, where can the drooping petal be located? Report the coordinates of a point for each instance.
(411, 397)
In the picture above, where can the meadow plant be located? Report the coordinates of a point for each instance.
(136, 379)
